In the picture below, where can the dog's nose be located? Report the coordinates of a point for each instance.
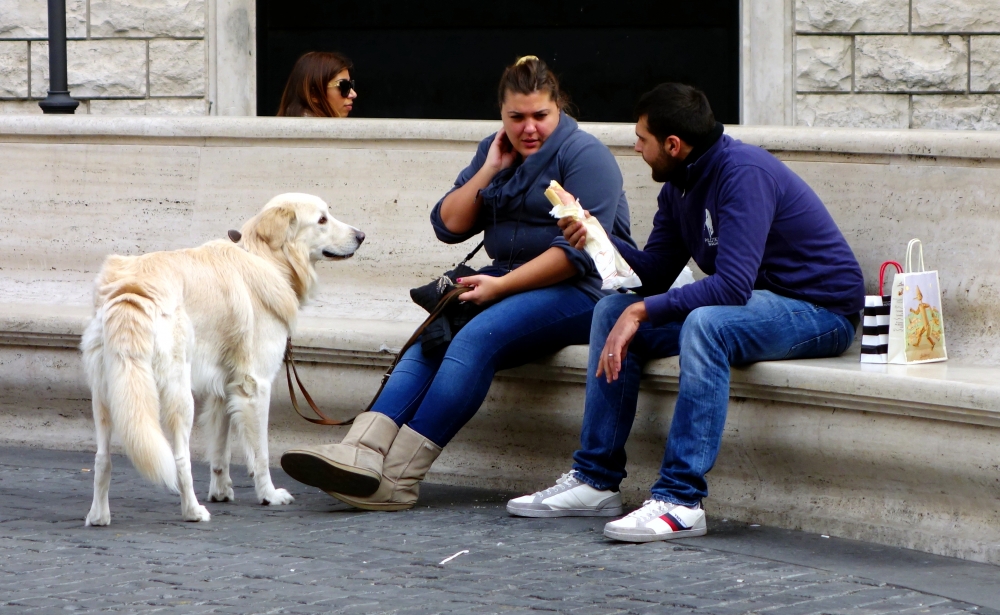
(360, 236)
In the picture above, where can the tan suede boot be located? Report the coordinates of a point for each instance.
(407, 462)
(354, 466)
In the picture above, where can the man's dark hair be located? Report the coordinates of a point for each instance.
(676, 109)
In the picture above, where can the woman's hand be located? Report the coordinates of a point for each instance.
(619, 339)
(501, 154)
(573, 230)
(485, 289)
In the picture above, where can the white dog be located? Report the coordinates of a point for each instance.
(209, 322)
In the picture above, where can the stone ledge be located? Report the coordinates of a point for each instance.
(951, 391)
(397, 133)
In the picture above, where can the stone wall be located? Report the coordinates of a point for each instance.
(857, 63)
(125, 57)
(898, 63)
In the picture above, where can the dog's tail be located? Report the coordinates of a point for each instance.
(133, 399)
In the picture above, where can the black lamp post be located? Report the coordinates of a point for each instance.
(58, 100)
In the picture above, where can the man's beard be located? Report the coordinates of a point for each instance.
(664, 167)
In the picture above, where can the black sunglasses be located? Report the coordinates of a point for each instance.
(344, 85)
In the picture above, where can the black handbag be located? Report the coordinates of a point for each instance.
(438, 333)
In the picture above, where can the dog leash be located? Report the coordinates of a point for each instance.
(291, 371)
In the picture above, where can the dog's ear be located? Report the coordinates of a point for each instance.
(275, 226)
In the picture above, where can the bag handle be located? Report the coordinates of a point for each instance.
(909, 254)
(881, 274)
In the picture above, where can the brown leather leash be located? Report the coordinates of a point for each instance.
(445, 301)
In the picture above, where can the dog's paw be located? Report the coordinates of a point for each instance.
(197, 513)
(98, 518)
(221, 495)
(277, 497)
(220, 488)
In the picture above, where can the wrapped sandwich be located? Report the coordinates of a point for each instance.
(613, 269)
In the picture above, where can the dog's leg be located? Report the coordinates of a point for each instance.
(100, 512)
(217, 424)
(178, 405)
(252, 401)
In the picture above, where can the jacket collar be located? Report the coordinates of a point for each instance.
(686, 175)
(509, 186)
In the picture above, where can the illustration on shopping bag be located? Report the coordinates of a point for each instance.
(923, 322)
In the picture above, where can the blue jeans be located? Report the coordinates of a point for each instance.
(710, 340)
(437, 396)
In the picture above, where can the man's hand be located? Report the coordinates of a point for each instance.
(619, 339)
(485, 289)
(574, 231)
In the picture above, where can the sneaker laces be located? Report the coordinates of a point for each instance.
(649, 510)
(563, 483)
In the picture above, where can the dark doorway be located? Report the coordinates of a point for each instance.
(443, 59)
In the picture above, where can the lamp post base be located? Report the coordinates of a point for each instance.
(58, 102)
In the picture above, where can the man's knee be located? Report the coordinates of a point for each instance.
(702, 325)
(606, 314)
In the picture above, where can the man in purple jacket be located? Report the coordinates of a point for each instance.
(781, 283)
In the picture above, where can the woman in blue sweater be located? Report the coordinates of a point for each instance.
(538, 295)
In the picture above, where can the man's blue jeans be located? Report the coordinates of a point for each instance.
(437, 396)
(710, 340)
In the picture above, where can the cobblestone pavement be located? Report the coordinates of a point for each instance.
(308, 558)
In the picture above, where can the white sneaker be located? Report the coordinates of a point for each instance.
(658, 520)
(569, 497)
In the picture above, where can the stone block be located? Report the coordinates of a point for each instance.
(956, 16)
(20, 107)
(30, 19)
(852, 15)
(176, 68)
(975, 112)
(13, 69)
(150, 106)
(853, 110)
(147, 18)
(984, 64)
(823, 63)
(95, 68)
(911, 63)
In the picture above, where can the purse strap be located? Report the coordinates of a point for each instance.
(443, 303)
(468, 257)
(881, 274)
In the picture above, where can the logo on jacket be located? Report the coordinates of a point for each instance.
(711, 240)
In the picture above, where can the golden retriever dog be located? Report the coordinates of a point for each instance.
(207, 323)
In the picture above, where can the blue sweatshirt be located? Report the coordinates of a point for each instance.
(515, 213)
(750, 223)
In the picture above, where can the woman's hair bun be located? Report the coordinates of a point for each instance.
(530, 74)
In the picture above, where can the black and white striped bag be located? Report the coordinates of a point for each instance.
(875, 329)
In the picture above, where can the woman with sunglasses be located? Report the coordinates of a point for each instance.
(320, 85)
(537, 296)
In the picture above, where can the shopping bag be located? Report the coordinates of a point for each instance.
(916, 325)
(875, 328)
